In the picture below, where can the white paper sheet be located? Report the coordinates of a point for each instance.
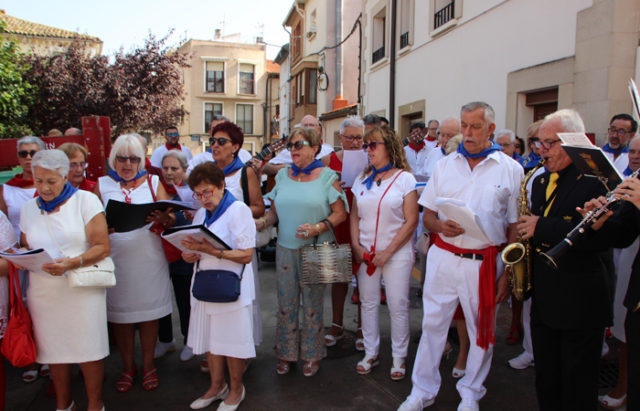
(458, 211)
(353, 164)
(575, 139)
(186, 196)
(176, 234)
(32, 260)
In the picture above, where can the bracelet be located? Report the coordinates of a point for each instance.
(220, 255)
(81, 261)
(318, 228)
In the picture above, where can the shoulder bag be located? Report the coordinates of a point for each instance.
(18, 345)
(216, 286)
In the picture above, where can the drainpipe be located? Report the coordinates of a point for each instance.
(392, 66)
(338, 50)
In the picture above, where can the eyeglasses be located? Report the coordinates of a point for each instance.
(220, 140)
(132, 159)
(546, 144)
(351, 138)
(204, 195)
(82, 165)
(372, 145)
(517, 145)
(618, 131)
(173, 135)
(25, 153)
(298, 144)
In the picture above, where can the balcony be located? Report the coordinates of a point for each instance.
(443, 15)
(404, 40)
(377, 55)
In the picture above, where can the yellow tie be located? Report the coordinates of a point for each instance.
(551, 187)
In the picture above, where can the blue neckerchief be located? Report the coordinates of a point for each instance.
(368, 182)
(209, 150)
(115, 176)
(307, 170)
(532, 160)
(627, 172)
(608, 149)
(225, 202)
(235, 165)
(444, 153)
(48, 207)
(494, 147)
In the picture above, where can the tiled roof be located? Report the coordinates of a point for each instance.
(273, 67)
(14, 25)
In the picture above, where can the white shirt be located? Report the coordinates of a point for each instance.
(490, 191)
(243, 154)
(416, 159)
(430, 162)
(158, 153)
(620, 163)
(284, 157)
(391, 211)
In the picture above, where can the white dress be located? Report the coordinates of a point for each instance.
(7, 239)
(69, 324)
(226, 328)
(143, 290)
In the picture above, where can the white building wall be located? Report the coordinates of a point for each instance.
(284, 93)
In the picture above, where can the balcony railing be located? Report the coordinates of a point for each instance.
(404, 40)
(378, 55)
(443, 15)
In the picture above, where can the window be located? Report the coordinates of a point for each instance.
(313, 86)
(405, 22)
(305, 83)
(211, 109)
(215, 76)
(244, 117)
(444, 12)
(246, 79)
(378, 36)
(296, 42)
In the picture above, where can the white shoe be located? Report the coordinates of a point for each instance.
(468, 405)
(70, 407)
(186, 354)
(226, 407)
(205, 402)
(162, 348)
(415, 404)
(522, 361)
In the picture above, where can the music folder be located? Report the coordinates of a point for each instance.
(124, 217)
(590, 159)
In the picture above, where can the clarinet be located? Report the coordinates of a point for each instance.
(578, 231)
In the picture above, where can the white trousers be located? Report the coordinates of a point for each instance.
(396, 274)
(449, 279)
(526, 326)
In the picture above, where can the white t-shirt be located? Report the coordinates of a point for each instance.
(391, 211)
(620, 163)
(158, 153)
(427, 168)
(198, 159)
(284, 157)
(416, 160)
(490, 190)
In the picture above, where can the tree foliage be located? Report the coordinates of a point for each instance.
(16, 94)
(140, 90)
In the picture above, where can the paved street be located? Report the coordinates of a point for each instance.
(337, 386)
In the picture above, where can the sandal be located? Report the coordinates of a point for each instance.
(368, 362)
(45, 370)
(309, 369)
(30, 375)
(399, 369)
(458, 372)
(336, 333)
(359, 340)
(611, 403)
(204, 365)
(283, 367)
(150, 380)
(125, 381)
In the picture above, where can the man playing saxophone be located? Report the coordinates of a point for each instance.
(571, 305)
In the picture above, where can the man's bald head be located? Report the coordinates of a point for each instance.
(312, 122)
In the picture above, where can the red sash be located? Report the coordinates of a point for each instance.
(486, 290)
(18, 181)
(417, 146)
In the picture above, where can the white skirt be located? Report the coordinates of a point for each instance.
(229, 334)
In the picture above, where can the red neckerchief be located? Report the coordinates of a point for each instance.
(156, 171)
(417, 146)
(18, 181)
(429, 138)
(486, 290)
(87, 185)
(176, 147)
(170, 189)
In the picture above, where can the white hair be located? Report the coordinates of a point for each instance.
(352, 121)
(569, 119)
(489, 113)
(505, 131)
(31, 140)
(178, 155)
(55, 160)
(448, 119)
(127, 145)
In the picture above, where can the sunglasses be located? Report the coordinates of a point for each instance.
(372, 145)
(298, 144)
(173, 135)
(220, 140)
(25, 153)
(132, 159)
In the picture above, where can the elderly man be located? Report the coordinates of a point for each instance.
(507, 138)
(571, 305)
(417, 149)
(449, 128)
(622, 128)
(432, 133)
(172, 136)
(461, 267)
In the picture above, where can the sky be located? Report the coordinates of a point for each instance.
(126, 23)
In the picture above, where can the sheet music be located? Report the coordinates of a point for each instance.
(575, 139)
(32, 260)
(458, 211)
(176, 234)
(353, 164)
(186, 196)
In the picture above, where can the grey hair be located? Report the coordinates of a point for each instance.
(352, 121)
(453, 143)
(55, 160)
(489, 113)
(372, 119)
(505, 131)
(431, 121)
(31, 140)
(127, 144)
(450, 118)
(217, 117)
(178, 155)
(569, 119)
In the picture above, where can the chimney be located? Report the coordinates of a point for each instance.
(218, 34)
(259, 40)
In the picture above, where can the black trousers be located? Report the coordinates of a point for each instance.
(182, 291)
(567, 367)
(632, 332)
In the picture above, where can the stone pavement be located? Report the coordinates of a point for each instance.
(337, 386)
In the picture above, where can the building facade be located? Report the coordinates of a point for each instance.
(526, 58)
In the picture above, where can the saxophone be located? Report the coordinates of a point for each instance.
(518, 255)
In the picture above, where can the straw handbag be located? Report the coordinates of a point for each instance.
(326, 263)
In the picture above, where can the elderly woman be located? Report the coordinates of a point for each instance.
(222, 330)
(142, 294)
(174, 165)
(13, 194)
(384, 216)
(69, 324)
(306, 193)
(77, 166)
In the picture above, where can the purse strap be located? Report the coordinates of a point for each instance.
(241, 272)
(15, 292)
(375, 238)
(153, 194)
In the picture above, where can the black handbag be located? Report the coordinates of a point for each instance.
(216, 286)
